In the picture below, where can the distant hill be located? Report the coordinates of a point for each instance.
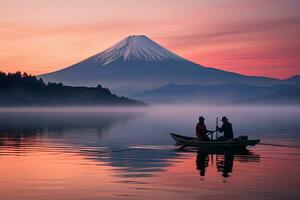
(137, 63)
(289, 97)
(25, 90)
(207, 94)
(294, 79)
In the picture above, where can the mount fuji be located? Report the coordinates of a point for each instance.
(137, 63)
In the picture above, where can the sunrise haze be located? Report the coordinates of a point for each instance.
(252, 38)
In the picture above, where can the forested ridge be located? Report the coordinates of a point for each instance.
(26, 90)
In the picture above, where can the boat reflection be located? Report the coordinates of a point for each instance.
(223, 160)
(105, 139)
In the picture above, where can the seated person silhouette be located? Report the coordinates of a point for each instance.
(226, 129)
(201, 130)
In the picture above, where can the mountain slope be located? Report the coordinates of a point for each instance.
(287, 97)
(207, 94)
(135, 48)
(137, 61)
(294, 79)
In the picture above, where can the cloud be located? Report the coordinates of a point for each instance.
(223, 33)
(33, 30)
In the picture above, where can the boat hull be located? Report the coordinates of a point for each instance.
(193, 142)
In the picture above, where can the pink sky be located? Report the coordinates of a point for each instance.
(258, 37)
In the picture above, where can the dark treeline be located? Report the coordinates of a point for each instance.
(26, 90)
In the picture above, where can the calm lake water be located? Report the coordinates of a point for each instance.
(127, 153)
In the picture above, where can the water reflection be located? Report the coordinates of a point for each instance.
(64, 130)
(225, 164)
(99, 136)
(25, 124)
(223, 160)
(130, 155)
(135, 162)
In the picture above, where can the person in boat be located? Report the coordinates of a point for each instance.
(226, 129)
(201, 130)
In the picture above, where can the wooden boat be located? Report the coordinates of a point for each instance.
(194, 142)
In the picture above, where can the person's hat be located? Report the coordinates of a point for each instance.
(201, 118)
(224, 119)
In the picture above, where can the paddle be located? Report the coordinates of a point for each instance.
(217, 125)
(187, 143)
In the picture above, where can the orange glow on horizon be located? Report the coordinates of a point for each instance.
(257, 38)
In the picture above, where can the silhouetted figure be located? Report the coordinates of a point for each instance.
(226, 128)
(226, 165)
(202, 161)
(201, 130)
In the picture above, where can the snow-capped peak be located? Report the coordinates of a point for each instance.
(135, 47)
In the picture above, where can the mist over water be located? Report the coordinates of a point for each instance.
(127, 153)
